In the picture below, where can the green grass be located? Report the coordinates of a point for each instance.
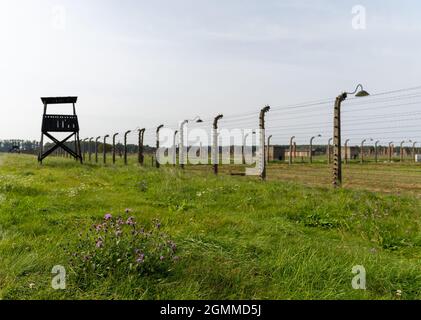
(238, 238)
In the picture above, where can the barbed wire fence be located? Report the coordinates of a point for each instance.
(380, 141)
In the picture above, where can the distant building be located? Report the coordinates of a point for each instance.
(300, 154)
(281, 153)
(351, 152)
(277, 153)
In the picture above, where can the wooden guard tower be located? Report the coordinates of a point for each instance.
(60, 123)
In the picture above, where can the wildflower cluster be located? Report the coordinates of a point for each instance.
(118, 245)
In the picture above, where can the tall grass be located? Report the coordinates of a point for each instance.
(237, 238)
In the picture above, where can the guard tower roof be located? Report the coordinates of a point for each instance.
(58, 100)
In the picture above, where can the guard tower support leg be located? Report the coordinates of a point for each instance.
(41, 146)
(79, 152)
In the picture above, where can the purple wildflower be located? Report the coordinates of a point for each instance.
(130, 221)
(108, 216)
(128, 210)
(161, 258)
(140, 258)
(173, 246)
(99, 243)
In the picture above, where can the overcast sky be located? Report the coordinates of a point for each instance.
(141, 63)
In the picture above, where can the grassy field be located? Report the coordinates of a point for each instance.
(237, 237)
(385, 177)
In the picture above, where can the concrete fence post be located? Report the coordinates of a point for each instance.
(402, 150)
(263, 141)
(90, 148)
(290, 149)
(243, 148)
(310, 150)
(414, 150)
(337, 146)
(181, 152)
(376, 151)
(96, 149)
(104, 147)
(157, 145)
(125, 146)
(215, 148)
(329, 155)
(390, 151)
(268, 149)
(114, 147)
(174, 145)
(311, 147)
(362, 151)
(346, 153)
(141, 157)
